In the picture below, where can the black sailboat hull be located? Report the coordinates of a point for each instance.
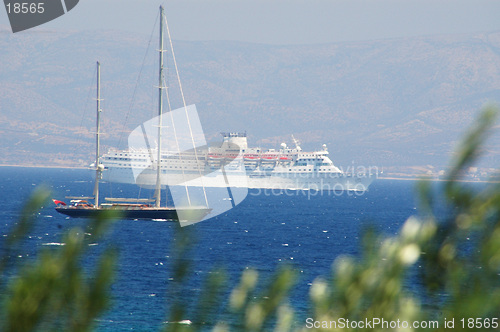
(164, 213)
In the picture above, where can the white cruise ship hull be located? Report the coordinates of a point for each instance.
(253, 180)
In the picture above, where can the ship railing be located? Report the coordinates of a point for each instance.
(135, 200)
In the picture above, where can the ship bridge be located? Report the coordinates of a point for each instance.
(240, 139)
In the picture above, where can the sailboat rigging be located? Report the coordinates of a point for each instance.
(132, 208)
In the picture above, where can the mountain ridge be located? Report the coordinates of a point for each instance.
(386, 102)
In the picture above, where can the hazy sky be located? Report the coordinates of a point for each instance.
(284, 22)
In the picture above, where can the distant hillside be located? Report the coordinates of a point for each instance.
(387, 102)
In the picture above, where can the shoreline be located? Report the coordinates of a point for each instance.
(415, 178)
(44, 166)
(434, 179)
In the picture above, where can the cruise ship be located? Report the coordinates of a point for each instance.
(232, 163)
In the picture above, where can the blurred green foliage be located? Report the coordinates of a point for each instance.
(457, 281)
(52, 292)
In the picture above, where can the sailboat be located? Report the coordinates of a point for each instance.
(133, 208)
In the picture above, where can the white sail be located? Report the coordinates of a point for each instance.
(182, 170)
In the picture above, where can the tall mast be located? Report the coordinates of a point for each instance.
(160, 114)
(98, 169)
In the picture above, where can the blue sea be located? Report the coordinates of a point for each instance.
(307, 230)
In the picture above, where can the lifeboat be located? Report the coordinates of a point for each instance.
(251, 157)
(269, 157)
(215, 156)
